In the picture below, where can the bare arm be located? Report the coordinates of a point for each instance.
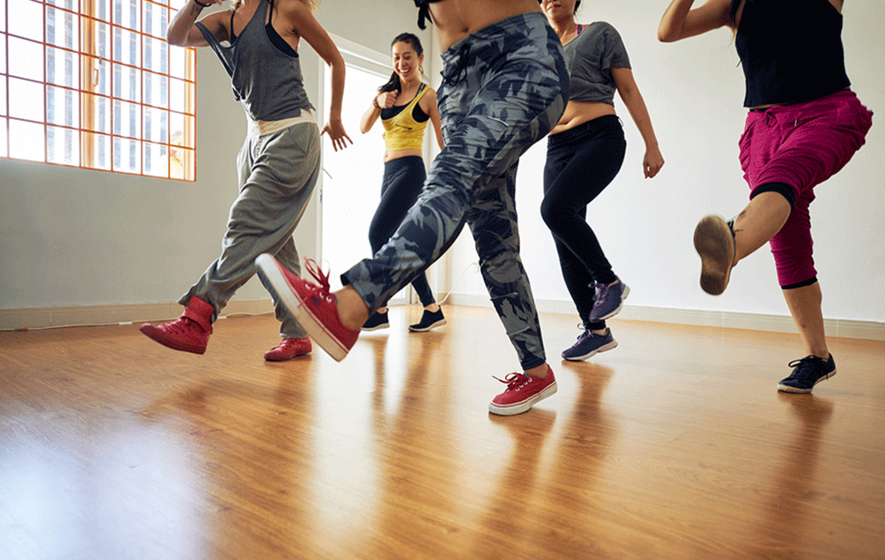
(429, 106)
(680, 21)
(385, 100)
(308, 28)
(369, 119)
(653, 161)
(183, 33)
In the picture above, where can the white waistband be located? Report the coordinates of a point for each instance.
(261, 128)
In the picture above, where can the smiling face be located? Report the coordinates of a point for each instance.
(406, 61)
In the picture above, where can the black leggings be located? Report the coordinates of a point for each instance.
(581, 162)
(402, 184)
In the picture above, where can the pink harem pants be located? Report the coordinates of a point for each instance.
(801, 145)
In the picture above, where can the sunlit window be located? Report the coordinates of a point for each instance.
(93, 84)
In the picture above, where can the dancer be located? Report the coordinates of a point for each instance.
(584, 153)
(804, 124)
(278, 164)
(505, 86)
(405, 104)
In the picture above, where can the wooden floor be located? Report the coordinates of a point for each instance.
(676, 445)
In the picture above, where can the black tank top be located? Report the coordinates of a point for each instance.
(424, 12)
(791, 51)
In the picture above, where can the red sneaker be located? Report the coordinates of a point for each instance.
(522, 393)
(188, 333)
(287, 349)
(313, 306)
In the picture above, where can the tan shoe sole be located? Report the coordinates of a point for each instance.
(714, 243)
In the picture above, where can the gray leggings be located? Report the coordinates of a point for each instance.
(505, 87)
(277, 175)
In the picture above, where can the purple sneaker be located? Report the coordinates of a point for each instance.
(608, 300)
(588, 345)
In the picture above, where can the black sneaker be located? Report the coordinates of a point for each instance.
(807, 372)
(376, 321)
(429, 321)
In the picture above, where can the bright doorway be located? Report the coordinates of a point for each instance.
(352, 177)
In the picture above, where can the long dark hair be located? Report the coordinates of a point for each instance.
(413, 41)
(733, 11)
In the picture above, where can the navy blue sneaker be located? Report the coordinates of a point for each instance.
(429, 320)
(376, 321)
(588, 345)
(807, 372)
(608, 300)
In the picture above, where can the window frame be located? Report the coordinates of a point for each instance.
(107, 123)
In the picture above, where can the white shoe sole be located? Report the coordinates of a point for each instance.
(604, 348)
(432, 326)
(787, 389)
(270, 271)
(520, 407)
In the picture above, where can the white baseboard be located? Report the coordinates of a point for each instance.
(89, 315)
(92, 315)
(839, 328)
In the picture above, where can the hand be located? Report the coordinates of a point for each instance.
(337, 135)
(387, 99)
(652, 162)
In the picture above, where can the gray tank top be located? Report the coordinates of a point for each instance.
(589, 58)
(267, 81)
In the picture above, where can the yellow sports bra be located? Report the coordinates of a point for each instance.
(402, 131)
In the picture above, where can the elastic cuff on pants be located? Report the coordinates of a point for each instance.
(782, 189)
(809, 282)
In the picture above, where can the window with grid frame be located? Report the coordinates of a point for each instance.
(93, 84)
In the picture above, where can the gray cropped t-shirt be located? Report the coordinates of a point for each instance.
(590, 57)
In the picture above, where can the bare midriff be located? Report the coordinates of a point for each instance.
(396, 154)
(579, 112)
(456, 19)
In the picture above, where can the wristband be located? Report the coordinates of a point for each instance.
(374, 99)
(198, 3)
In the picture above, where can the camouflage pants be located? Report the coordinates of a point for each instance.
(504, 88)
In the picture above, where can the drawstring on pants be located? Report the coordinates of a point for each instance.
(459, 72)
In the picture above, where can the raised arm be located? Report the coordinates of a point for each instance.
(680, 21)
(384, 100)
(311, 31)
(652, 161)
(183, 33)
(369, 119)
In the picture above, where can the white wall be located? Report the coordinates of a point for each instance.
(84, 238)
(70, 237)
(694, 91)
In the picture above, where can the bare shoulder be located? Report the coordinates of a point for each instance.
(295, 12)
(429, 98)
(218, 23)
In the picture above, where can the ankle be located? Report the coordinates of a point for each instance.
(352, 310)
(432, 308)
(540, 371)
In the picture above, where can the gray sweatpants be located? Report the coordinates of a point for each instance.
(277, 175)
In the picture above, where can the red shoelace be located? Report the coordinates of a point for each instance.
(514, 380)
(321, 291)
